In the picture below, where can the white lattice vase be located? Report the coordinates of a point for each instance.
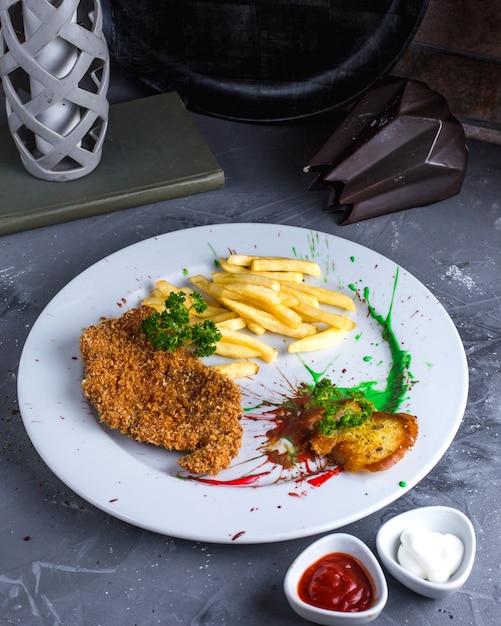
(54, 66)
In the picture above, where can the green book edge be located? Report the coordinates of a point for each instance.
(152, 151)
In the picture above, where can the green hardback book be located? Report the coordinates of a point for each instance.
(153, 151)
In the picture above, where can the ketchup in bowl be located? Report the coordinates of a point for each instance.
(337, 582)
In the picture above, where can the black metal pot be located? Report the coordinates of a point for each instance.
(261, 60)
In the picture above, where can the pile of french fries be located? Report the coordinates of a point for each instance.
(264, 294)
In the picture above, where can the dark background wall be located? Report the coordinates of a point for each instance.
(457, 52)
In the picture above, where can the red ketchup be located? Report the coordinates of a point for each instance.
(337, 582)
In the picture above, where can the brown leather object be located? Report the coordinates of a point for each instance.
(399, 147)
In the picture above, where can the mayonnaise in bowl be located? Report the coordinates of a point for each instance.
(430, 555)
(425, 532)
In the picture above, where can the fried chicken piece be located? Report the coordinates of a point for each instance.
(169, 399)
(377, 444)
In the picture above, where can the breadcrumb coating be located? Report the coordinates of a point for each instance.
(169, 399)
(376, 445)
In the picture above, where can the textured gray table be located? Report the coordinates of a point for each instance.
(62, 561)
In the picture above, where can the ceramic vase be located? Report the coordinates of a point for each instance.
(54, 66)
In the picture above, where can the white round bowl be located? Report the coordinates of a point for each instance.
(440, 519)
(348, 544)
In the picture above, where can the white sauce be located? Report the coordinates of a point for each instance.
(431, 556)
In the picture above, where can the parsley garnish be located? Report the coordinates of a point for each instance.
(171, 328)
(339, 411)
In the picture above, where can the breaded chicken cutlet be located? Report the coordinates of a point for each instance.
(169, 399)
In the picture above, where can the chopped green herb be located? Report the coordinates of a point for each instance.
(171, 329)
(340, 411)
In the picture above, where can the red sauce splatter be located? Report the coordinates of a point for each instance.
(236, 482)
(287, 443)
(337, 582)
(238, 535)
(318, 481)
(294, 422)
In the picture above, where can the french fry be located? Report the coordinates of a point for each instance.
(205, 285)
(166, 288)
(293, 277)
(235, 351)
(263, 298)
(284, 314)
(163, 289)
(157, 293)
(254, 279)
(273, 305)
(232, 268)
(255, 328)
(263, 294)
(249, 291)
(213, 311)
(327, 296)
(279, 264)
(233, 323)
(225, 317)
(266, 352)
(312, 314)
(155, 303)
(288, 299)
(320, 341)
(268, 321)
(238, 369)
(275, 264)
(243, 260)
(299, 296)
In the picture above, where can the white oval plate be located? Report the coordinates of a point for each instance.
(255, 500)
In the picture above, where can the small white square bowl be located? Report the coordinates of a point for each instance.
(440, 519)
(347, 544)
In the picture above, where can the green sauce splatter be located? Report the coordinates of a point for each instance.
(397, 383)
(216, 257)
(317, 376)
